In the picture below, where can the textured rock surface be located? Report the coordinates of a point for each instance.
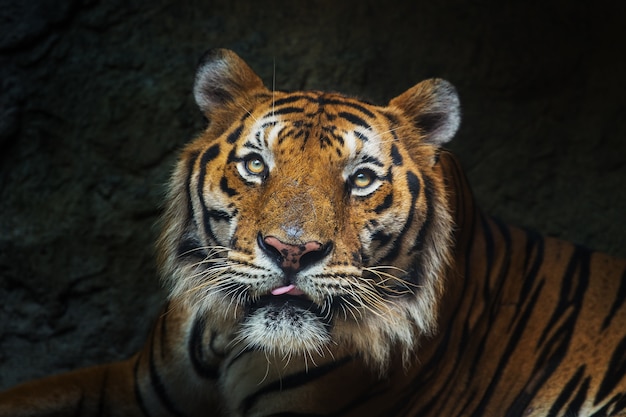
(95, 100)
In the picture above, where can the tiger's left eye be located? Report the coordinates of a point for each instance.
(362, 178)
(255, 165)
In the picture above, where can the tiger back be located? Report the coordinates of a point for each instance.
(324, 256)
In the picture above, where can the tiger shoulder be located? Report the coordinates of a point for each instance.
(325, 256)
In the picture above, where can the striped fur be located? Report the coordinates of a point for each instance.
(325, 258)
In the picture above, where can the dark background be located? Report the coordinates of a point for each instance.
(95, 102)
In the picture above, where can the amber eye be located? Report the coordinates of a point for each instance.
(363, 178)
(255, 165)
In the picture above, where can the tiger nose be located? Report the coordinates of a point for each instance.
(293, 257)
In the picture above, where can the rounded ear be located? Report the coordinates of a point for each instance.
(221, 77)
(433, 106)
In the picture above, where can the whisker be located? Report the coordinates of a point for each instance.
(377, 267)
(210, 249)
(273, 86)
(248, 111)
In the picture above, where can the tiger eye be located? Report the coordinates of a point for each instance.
(362, 179)
(255, 166)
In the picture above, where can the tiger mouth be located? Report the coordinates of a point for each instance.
(288, 306)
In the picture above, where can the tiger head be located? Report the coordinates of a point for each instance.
(306, 222)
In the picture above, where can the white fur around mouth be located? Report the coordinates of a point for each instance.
(284, 325)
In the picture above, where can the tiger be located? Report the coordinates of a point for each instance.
(325, 256)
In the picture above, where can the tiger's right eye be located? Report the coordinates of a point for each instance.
(255, 165)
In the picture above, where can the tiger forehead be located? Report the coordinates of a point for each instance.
(328, 120)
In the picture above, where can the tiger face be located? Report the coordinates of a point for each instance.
(308, 222)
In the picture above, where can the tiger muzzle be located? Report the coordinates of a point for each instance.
(293, 258)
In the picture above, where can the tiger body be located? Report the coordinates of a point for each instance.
(325, 257)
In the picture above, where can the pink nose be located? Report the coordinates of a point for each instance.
(291, 257)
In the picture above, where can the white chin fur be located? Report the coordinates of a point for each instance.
(284, 330)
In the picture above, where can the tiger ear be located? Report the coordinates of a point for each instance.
(433, 106)
(221, 77)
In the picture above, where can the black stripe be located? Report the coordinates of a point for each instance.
(570, 296)
(188, 245)
(282, 136)
(361, 136)
(231, 192)
(520, 403)
(219, 215)
(554, 348)
(381, 237)
(504, 244)
(507, 251)
(566, 392)
(245, 117)
(488, 254)
(196, 351)
(387, 203)
(323, 100)
(620, 404)
(619, 301)
(413, 185)
(489, 296)
(615, 372)
(332, 131)
(234, 135)
(232, 157)
(395, 155)
(353, 105)
(207, 214)
(200, 194)
(291, 99)
(291, 382)
(285, 110)
(256, 147)
(163, 329)
(574, 407)
(354, 119)
(429, 196)
(615, 405)
(370, 160)
(301, 124)
(534, 249)
(157, 383)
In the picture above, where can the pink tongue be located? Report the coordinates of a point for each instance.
(289, 289)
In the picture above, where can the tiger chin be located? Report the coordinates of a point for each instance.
(275, 246)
